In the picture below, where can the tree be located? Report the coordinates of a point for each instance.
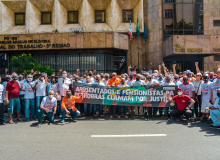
(27, 62)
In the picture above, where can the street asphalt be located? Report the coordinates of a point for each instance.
(73, 141)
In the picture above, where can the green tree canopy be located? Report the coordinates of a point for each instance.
(27, 62)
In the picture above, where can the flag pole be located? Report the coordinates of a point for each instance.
(138, 55)
(138, 51)
(130, 50)
(130, 53)
(145, 54)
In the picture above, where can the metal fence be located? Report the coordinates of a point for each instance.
(101, 62)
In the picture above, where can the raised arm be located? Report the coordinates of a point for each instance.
(78, 72)
(174, 69)
(129, 67)
(6, 71)
(159, 69)
(87, 73)
(59, 72)
(197, 67)
(93, 72)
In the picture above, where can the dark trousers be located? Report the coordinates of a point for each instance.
(154, 110)
(1, 113)
(197, 106)
(175, 113)
(22, 104)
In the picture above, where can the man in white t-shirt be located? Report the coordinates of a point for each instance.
(63, 84)
(41, 89)
(130, 80)
(151, 81)
(206, 90)
(29, 97)
(168, 81)
(188, 88)
(48, 107)
(105, 81)
(176, 80)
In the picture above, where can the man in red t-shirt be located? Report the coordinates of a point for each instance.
(12, 97)
(183, 106)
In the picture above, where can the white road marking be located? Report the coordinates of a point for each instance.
(134, 135)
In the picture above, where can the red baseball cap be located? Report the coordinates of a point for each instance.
(179, 89)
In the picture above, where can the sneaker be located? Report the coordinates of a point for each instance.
(62, 121)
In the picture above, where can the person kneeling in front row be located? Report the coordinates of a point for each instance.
(48, 107)
(183, 106)
(215, 112)
(68, 105)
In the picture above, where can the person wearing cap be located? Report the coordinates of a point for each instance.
(183, 106)
(215, 112)
(197, 84)
(206, 92)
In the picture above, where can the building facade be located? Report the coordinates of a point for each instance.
(93, 34)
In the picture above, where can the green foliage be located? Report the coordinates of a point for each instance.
(27, 62)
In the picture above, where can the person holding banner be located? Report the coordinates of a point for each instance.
(87, 106)
(137, 83)
(167, 82)
(48, 107)
(183, 106)
(68, 105)
(152, 82)
(124, 108)
(99, 83)
(113, 82)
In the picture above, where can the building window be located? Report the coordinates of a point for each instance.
(99, 16)
(168, 13)
(183, 17)
(216, 23)
(19, 18)
(169, 1)
(127, 16)
(45, 17)
(72, 17)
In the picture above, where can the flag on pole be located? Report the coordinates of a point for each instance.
(130, 32)
(145, 32)
(138, 27)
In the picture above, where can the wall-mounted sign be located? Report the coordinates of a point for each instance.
(14, 42)
(178, 48)
(216, 49)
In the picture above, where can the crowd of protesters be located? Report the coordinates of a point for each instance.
(39, 97)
